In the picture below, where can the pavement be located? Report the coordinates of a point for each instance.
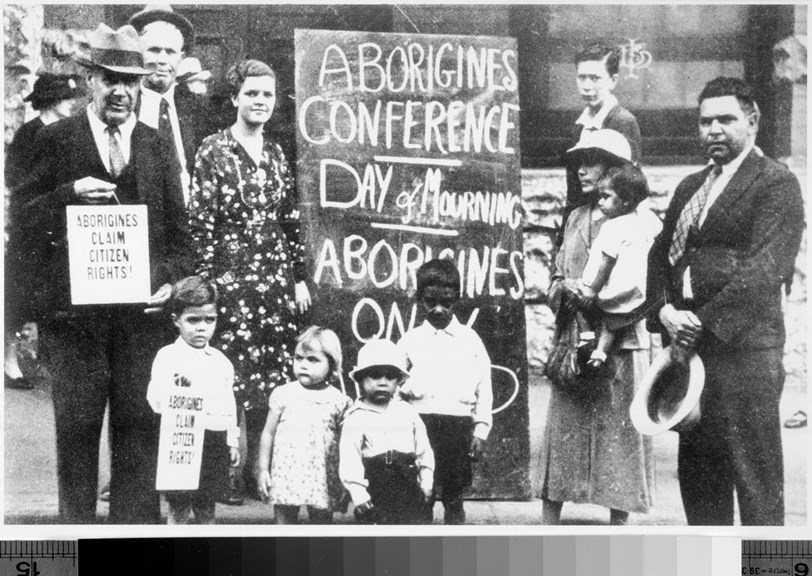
(30, 486)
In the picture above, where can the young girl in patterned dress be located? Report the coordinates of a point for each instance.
(298, 455)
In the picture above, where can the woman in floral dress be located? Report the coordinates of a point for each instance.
(245, 224)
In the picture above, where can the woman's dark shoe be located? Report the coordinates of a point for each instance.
(22, 383)
(798, 420)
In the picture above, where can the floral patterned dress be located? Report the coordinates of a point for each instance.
(304, 462)
(244, 221)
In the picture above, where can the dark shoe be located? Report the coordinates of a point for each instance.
(798, 420)
(104, 494)
(18, 383)
(233, 497)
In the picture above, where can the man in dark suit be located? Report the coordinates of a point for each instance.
(728, 246)
(179, 115)
(94, 353)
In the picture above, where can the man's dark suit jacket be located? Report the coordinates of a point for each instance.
(67, 153)
(740, 257)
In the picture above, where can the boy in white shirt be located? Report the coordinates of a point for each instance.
(190, 360)
(449, 384)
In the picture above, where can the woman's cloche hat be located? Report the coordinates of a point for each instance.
(379, 353)
(115, 50)
(668, 396)
(164, 13)
(605, 141)
(190, 69)
(51, 88)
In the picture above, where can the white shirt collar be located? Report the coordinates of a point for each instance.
(207, 349)
(732, 167)
(151, 105)
(151, 94)
(595, 121)
(102, 137)
(452, 329)
(96, 123)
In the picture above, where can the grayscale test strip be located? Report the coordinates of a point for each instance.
(792, 557)
(39, 558)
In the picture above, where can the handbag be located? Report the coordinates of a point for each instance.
(565, 364)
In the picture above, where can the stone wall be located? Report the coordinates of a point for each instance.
(543, 194)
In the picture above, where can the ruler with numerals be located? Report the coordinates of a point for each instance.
(38, 558)
(788, 557)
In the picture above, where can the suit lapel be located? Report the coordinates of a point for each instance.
(184, 107)
(735, 189)
(137, 149)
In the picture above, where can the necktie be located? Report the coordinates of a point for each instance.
(164, 123)
(167, 135)
(117, 161)
(690, 214)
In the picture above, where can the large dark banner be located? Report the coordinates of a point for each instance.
(408, 150)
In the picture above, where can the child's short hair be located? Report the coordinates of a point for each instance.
(191, 291)
(330, 345)
(440, 272)
(629, 183)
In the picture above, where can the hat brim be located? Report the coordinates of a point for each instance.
(358, 372)
(577, 153)
(652, 420)
(204, 76)
(130, 70)
(141, 19)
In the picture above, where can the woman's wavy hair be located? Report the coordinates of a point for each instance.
(236, 75)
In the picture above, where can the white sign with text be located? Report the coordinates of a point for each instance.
(180, 451)
(109, 254)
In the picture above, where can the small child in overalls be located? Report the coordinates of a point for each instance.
(386, 462)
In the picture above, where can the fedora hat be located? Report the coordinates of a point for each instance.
(164, 13)
(605, 142)
(190, 69)
(51, 88)
(115, 50)
(668, 396)
(379, 353)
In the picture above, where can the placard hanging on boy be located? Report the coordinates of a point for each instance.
(180, 451)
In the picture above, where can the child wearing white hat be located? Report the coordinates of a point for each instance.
(386, 462)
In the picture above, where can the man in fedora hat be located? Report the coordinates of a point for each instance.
(728, 246)
(178, 115)
(97, 353)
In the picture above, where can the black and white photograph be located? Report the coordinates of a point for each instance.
(339, 265)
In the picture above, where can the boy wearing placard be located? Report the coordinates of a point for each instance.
(449, 384)
(191, 374)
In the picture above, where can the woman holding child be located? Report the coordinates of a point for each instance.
(245, 224)
(592, 452)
